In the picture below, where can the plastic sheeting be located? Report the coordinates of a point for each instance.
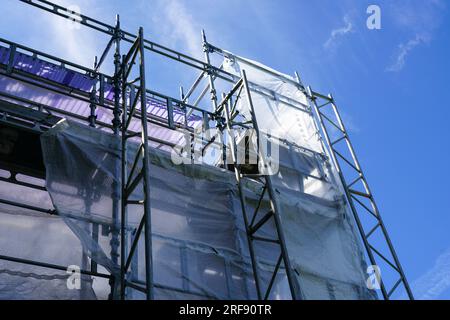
(281, 108)
(29, 235)
(199, 242)
(320, 235)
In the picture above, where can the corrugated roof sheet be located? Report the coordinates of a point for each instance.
(76, 80)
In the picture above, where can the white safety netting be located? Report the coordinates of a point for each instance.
(199, 242)
(27, 234)
(281, 108)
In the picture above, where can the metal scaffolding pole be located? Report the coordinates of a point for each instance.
(115, 232)
(209, 72)
(138, 174)
(125, 110)
(257, 221)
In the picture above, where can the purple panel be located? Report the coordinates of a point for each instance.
(76, 80)
(4, 54)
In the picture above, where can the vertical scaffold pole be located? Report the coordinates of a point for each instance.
(146, 172)
(209, 72)
(258, 220)
(124, 181)
(138, 174)
(115, 243)
(276, 209)
(241, 191)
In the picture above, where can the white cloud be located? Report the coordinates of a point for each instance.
(435, 281)
(337, 34)
(404, 49)
(180, 27)
(419, 18)
(69, 39)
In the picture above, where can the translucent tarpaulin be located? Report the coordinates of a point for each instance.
(199, 242)
(281, 108)
(27, 234)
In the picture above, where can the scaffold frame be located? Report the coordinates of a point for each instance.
(127, 95)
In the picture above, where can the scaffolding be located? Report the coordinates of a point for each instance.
(120, 102)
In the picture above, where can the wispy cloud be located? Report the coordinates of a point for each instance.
(339, 33)
(71, 40)
(435, 281)
(419, 18)
(404, 49)
(180, 27)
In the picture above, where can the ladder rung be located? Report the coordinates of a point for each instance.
(265, 239)
(339, 140)
(260, 223)
(362, 194)
(365, 207)
(134, 81)
(258, 178)
(135, 201)
(136, 134)
(355, 181)
(394, 287)
(132, 184)
(323, 105)
(347, 161)
(253, 176)
(373, 230)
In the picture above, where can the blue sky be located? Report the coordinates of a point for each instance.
(390, 85)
